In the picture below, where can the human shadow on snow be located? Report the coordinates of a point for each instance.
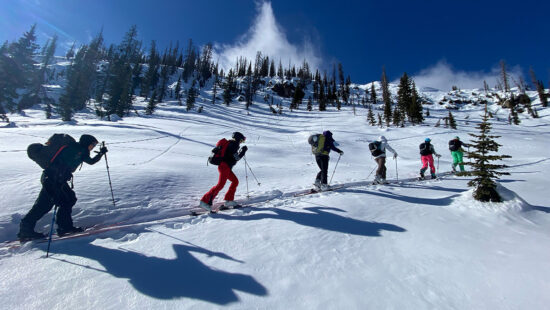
(162, 278)
(319, 217)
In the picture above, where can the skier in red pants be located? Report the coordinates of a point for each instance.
(227, 154)
(426, 151)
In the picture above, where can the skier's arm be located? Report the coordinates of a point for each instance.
(91, 161)
(334, 148)
(241, 153)
(389, 148)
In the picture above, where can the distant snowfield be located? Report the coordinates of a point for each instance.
(410, 245)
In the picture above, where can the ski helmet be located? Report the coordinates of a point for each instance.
(239, 137)
(382, 139)
(87, 140)
(427, 140)
(457, 138)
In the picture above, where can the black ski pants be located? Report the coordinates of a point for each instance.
(52, 193)
(381, 171)
(322, 162)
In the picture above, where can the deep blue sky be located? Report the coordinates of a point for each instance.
(471, 36)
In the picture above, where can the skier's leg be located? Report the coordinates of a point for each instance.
(380, 169)
(319, 161)
(223, 170)
(424, 160)
(460, 162)
(230, 195)
(430, 159)
(384, 169)
(66, 200)
(42, 205)
(324, 171)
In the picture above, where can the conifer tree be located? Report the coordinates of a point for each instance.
(396, 118)
(504, 76)
(152, 105)
(380, 123)
(70, 53)
(322, 98)
(386, 97)
(452, 122)
(150, 80)
(370, 116)
(23, 52)
(309, 104)
(227, 96)
(540, 88)
(10, 79)
(191, 96)
(177, 89)
(298, 96)
(373, 93)
(514, 117)
(483, 171)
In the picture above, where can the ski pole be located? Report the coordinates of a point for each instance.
(371, 172)
(109, 175)
(51, 231)
(335, 169)
(438, 163)
(246, 164)
(396, 171)
(246, 174)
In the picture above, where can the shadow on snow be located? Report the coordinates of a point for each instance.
(161, 278)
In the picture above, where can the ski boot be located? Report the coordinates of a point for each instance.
(325, 187)
(422, 177)
(205, 206)
(317, 185)
(68, 231)
(433, 176)
(27, 233)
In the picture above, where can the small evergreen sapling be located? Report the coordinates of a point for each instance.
(483, 171)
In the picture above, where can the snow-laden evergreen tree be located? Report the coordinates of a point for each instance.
(23, 53)
(309, 104)
(227, 88)
(484, 172)
(373, 93)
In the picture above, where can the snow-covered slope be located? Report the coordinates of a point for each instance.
(404, 246)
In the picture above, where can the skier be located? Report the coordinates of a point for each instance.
(321, 144)
(378, 151)
(230, 155)
(56, 190)
(426, 151)
(455, 146)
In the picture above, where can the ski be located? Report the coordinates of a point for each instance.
(316, 191)
(216, 208)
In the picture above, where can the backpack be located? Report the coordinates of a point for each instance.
(425, 149)
(314, 140)
(374, 148)
(45, 154)
(218, 153)
(454, 145)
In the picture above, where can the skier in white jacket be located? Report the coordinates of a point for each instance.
(379, 154)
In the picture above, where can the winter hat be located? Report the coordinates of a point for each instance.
(87, 140)
(457, 138)
(427, 140)
(327, 133)
(382, 139)
(239, 137)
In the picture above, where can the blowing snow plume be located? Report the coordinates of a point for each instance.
(443, 77)
(267, 37)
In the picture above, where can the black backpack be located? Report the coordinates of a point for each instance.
(425, 149)
(374, 148)
(218, 153)
(454, 145)
(45, 154)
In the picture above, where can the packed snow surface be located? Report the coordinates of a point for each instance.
(409, 245)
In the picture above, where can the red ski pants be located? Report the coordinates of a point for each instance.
(225, 174)
(427, 160)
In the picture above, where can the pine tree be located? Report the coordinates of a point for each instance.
(452, 122)
(191, 96)
(396, 118)
(373, 93)
(370, 116)
(504, 76)
(309, 104)
(11, 78)
(227, 95)
(322, 98)
(540, 88)
(514, 117)
(23, 52)
(484, 172)
(177, 89)
(152, 105)
(386, 97)
(380, 123)
(298, 96)
(70, 53)
(150, 80)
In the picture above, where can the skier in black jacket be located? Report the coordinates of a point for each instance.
(56, 190)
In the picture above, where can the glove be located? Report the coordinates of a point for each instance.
(103, 150)
(341, 153)
(244, 149)
(395, 155)
(437, 155)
